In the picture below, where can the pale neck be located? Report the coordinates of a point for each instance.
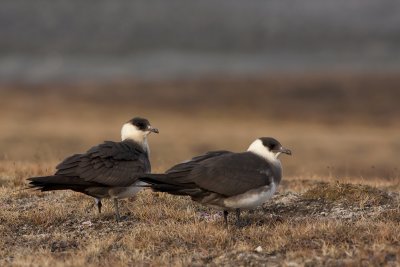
(259, 149)
(130, 132)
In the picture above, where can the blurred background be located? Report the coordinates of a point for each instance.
(320, 76)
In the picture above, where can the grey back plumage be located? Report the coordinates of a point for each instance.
(110, 164)
(233, 174)
(221, 172)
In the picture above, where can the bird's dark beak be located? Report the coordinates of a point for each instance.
(285, 150)
(153, 130)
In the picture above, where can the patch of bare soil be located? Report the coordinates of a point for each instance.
(333, 201)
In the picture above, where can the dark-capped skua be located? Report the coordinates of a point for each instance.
(226, 180)
(108, 170)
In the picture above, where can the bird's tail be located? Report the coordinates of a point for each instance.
(164, 183)
(55, 182)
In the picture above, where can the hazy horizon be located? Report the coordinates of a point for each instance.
(101, 40)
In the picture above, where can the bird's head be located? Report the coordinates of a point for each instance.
(137, 129)
(268, 147)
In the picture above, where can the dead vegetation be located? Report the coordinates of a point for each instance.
(63, 228)
(348, 194)
(337, 205)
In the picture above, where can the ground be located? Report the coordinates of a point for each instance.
(325, 223)
(338, 203)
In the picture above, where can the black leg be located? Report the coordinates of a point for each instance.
(226, 218)
(238, 217)
(99, 205)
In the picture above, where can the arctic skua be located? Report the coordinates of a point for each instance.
(226, 180)
(108, 170)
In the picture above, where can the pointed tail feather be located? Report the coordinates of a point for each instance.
(154, 179)
(165, 183)
(50, 183)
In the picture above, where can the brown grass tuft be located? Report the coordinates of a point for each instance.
(349, 194)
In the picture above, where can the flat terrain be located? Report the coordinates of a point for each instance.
(338, 204)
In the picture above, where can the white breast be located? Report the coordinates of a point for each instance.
(126, 192)
(252, 198)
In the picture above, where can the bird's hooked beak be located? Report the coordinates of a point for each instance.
(153, 130)
(285, 151)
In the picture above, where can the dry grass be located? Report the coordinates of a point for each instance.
(338, 204)
(63, 228)
(348, 194)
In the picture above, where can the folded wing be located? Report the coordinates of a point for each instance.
(110, 163)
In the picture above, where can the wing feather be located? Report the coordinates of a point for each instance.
(233, 174)
(221, 172)
(110, 163)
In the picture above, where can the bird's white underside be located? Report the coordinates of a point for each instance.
(126, 192)
(251, 199)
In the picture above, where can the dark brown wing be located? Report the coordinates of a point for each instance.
(187, 166)
(177, 179)
(223, 173)
(233, 174)
(179, 174)
(111, 163)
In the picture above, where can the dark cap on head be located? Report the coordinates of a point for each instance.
(273, 145)
(143, 124)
